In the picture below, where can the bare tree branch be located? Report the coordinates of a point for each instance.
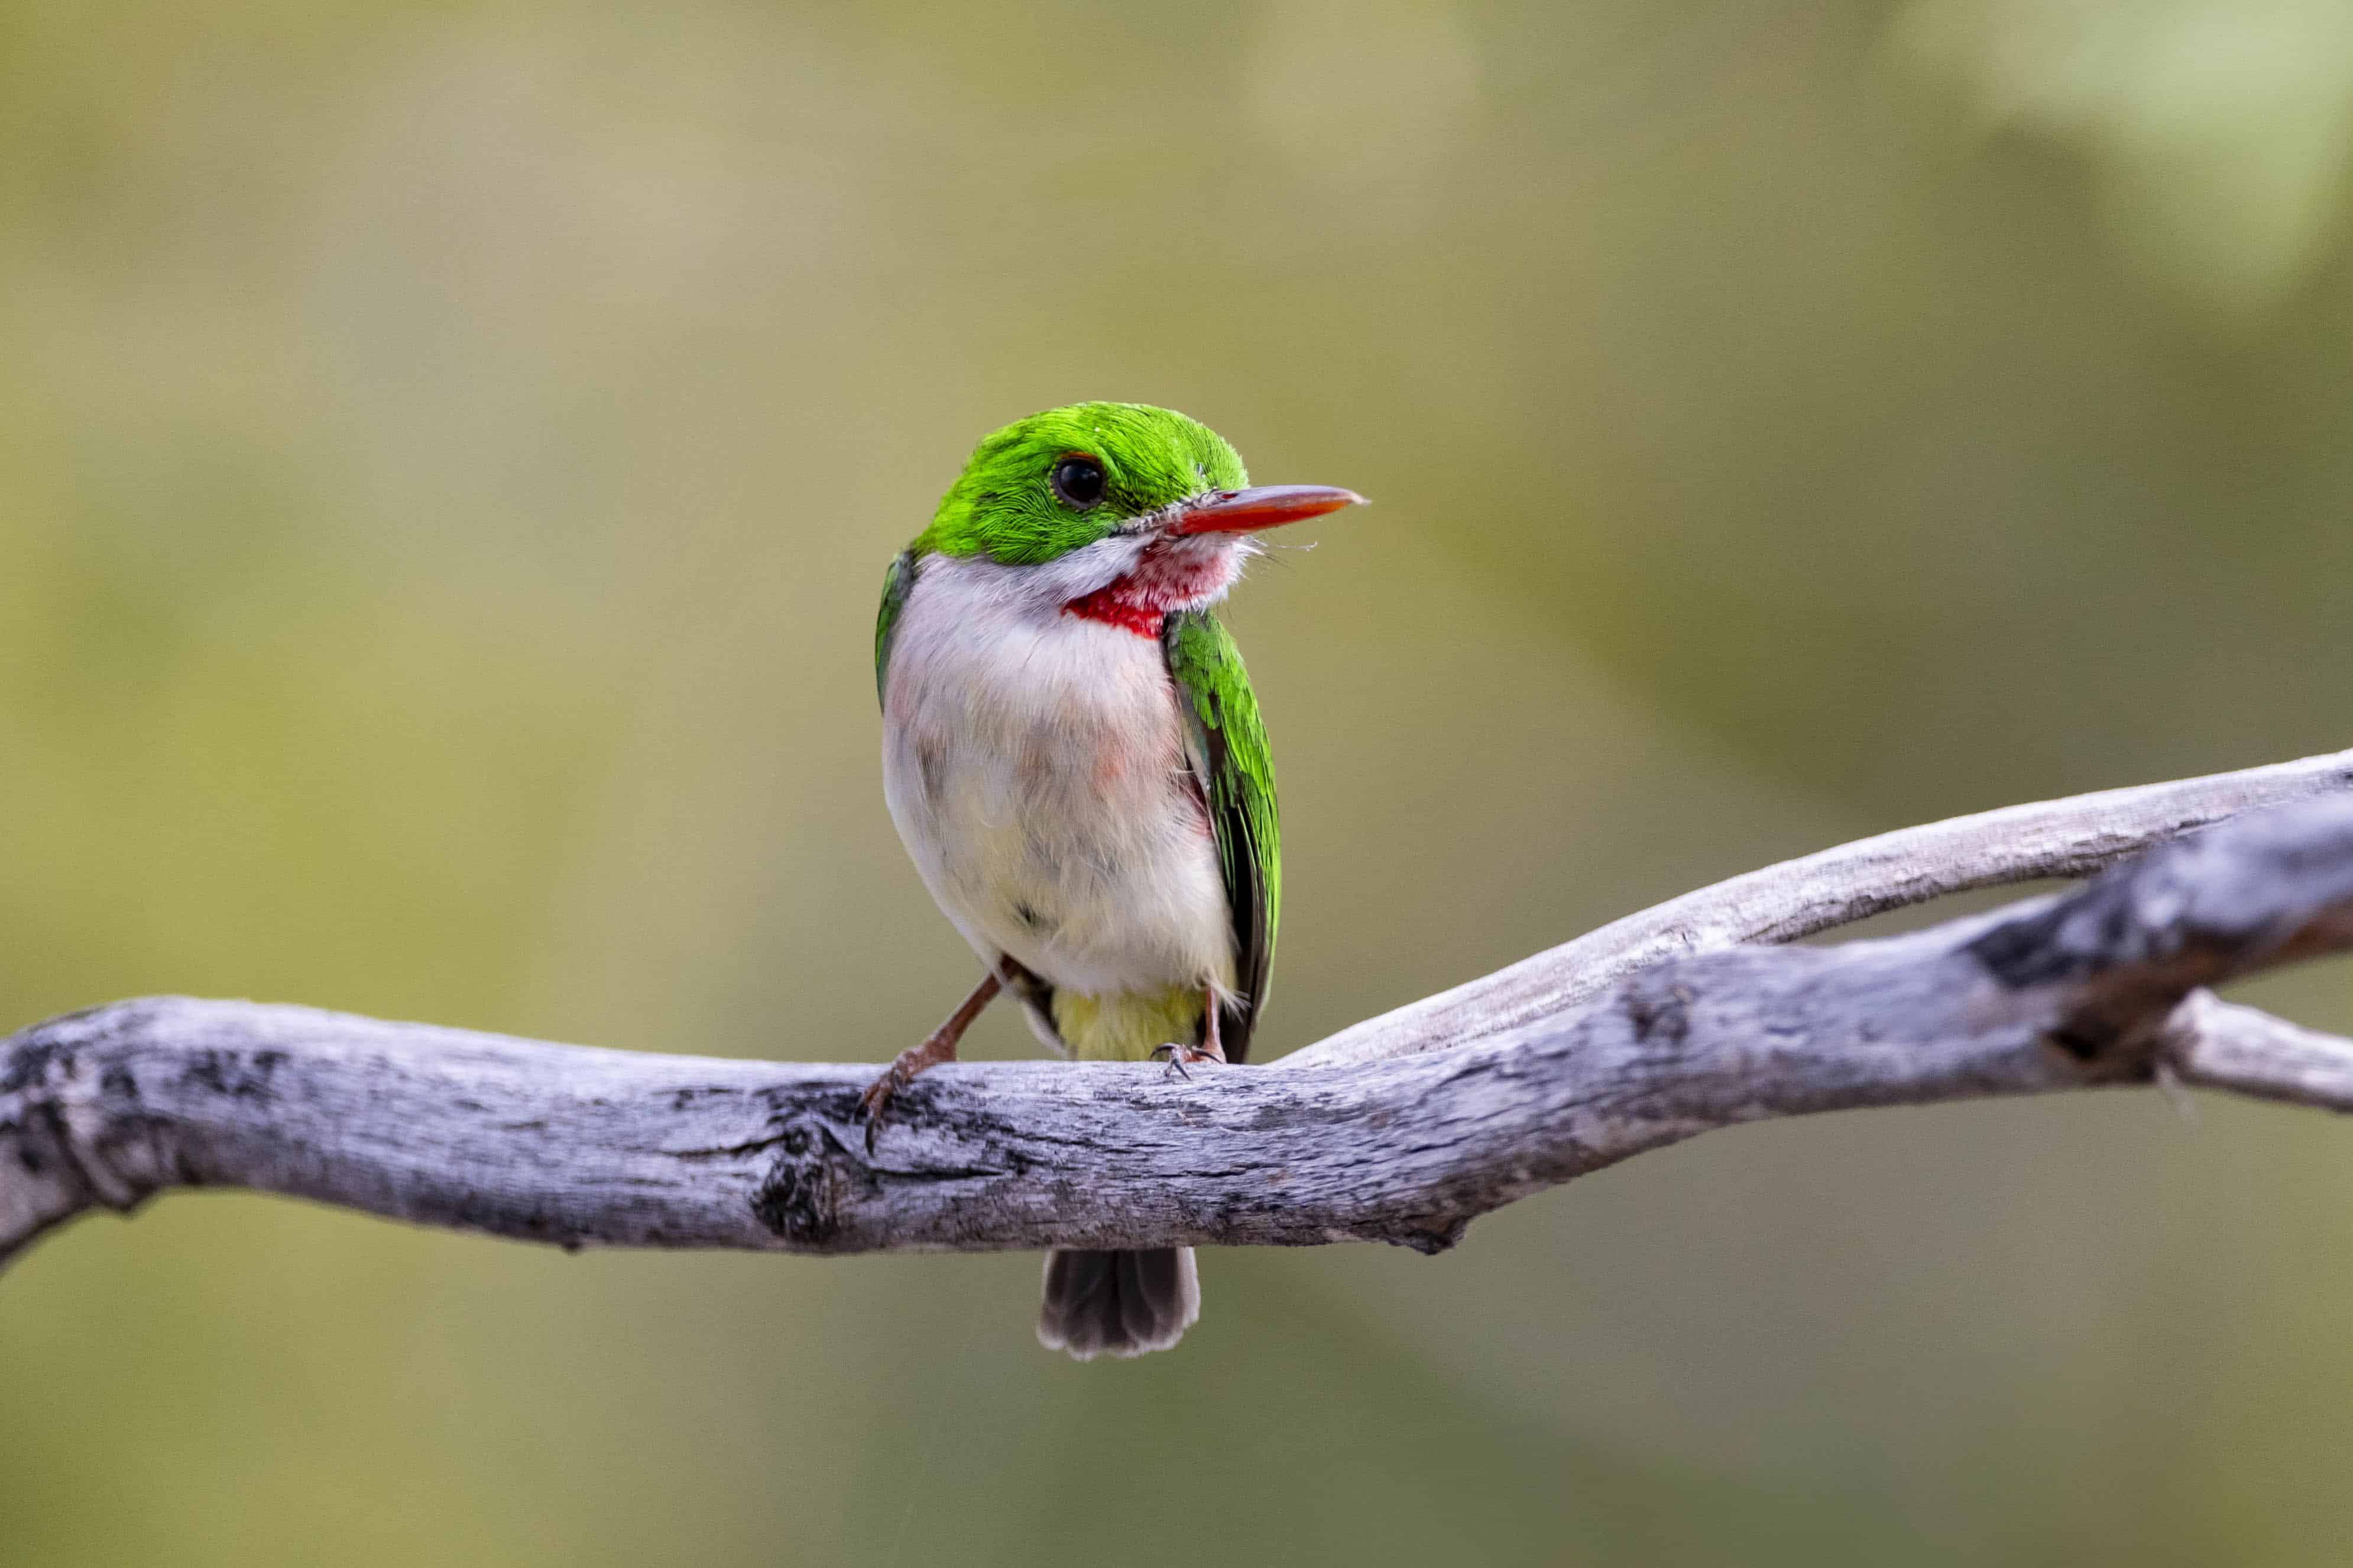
(2215, 1044)
(578, 1146)
(2051, 838)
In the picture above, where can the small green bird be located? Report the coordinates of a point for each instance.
(1072, 754)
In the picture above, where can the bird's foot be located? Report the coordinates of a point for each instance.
(1182, 1057)
(937, 1047)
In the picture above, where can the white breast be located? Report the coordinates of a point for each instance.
(1034, 764)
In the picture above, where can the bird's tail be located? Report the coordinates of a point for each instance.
(1118, 1303)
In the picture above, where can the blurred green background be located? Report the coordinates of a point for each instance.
(448, 456)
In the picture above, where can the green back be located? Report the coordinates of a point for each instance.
(897, 583)
(1229, 755)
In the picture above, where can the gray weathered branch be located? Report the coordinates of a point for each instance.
(2050, 838)
(573, 1145)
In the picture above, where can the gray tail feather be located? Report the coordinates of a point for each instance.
(1118, 1303)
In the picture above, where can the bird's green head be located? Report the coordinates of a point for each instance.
(1057, 482)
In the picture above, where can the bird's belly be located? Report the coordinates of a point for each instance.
(1048, 804)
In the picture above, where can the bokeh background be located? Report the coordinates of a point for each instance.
(448, 456)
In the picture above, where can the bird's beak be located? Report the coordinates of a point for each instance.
(1261, 506)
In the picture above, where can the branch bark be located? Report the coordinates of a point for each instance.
(2040, 840)
(579, 1146)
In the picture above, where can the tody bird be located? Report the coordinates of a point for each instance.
(1073, 753)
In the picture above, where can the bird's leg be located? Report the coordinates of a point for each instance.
(939, 1046)
(1208, 1050)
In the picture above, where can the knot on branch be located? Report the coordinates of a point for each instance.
(65, 1118)
(813, 1176)
(1428, 1234)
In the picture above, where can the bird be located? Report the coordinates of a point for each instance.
(1073, 756)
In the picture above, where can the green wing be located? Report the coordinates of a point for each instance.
(1229, 756)
(896, 584)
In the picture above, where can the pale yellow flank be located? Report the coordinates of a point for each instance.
(1129, 1026)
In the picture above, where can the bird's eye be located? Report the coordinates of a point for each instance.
(1079, 482)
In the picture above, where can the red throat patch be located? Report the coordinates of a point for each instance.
(1115, 604)
(1171, 576)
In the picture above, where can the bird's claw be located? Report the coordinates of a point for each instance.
(1181, 1057)
(878, 1095)
(896, 1076)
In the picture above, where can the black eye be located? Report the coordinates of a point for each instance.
(1079, 482)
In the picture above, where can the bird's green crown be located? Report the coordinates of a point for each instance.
(1058, 481)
